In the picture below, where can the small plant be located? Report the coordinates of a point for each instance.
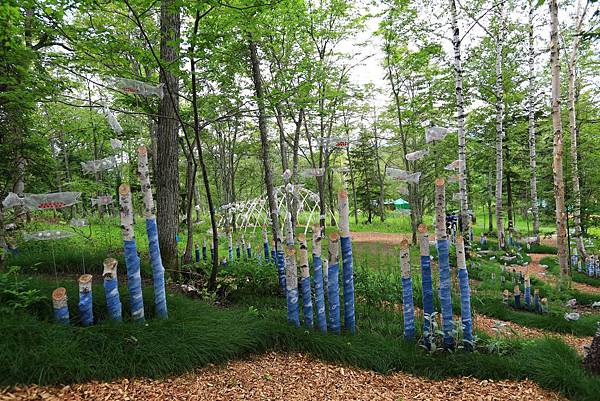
(15, 292)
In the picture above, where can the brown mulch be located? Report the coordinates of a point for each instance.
(289, 377)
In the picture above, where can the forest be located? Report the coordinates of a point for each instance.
(213, 198)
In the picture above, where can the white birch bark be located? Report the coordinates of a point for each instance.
(126, 211)
(460, 122)
(572, 66)
(532, 139)
(499, 123)
(557, 159)
(145, 182)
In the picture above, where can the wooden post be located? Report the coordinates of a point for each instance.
(307, 307)
(111, 289)
(465, 294)
(60, 305)
(347, 269)
(333, 284)
(318, 278)
(427, 284)
(291, 285)
(86, 313)
(408, 305)
(443, 262)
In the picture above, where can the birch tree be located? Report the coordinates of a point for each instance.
(557, 154)
(499, 90)
(572, 77)
(531, 128)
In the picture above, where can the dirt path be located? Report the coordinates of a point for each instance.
(536, 269)
(289, 377)
(385, 238)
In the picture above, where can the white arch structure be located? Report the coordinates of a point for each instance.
(255, 212)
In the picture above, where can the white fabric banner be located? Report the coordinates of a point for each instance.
(417, 155)
(55, 200)
(435, 134)
(132, 86)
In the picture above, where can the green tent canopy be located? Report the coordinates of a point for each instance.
(401, 204)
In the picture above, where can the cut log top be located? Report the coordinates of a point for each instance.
(439, 182)
(85, 279)
(124, 189)
(59, 294)
(302, 240)
(423, 240)
(110, 268)
(142, 150)
(404, 244)
(334, 237)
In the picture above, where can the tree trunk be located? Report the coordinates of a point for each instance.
(557, 160)
(572, 66)
(167, 172)
(489, 203)
(190, 183)
(509, 196)
(264, 140)
(532, 140)
(460, 123)
(499, 124)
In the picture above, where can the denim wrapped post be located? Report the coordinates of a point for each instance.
(86, 313)
(291, 284)
(238, 254)
(465, 294)
(527, 292)
(347, 270)
(333, 285)
(318, 279)
(197, 252)
(249, 249)
(280, 258)
(204, 249)
(158, 271)
(307, 307)
(536, 300)
(212, 251)
(111, 289)
(60, 305)
(132, 260)
(574, 258)
(274, 253)
(230, 243)
(443, 262)
(243, 245)
(426, 284)
(265, 239)
(408, 306)
(517, 295)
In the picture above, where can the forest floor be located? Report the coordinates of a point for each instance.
(278, 376)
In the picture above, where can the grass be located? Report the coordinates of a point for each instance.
(576, 276)
(35, 350)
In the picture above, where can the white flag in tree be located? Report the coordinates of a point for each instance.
(93, 166)
(453, 166)
(132, 86)
(112, 121)
(403, 175)
(312, 172)
(47, 235)
(416, 155)
(55, 200)
(435, 134)
(102, 200)
(116, 144)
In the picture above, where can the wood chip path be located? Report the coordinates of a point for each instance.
(289, 377)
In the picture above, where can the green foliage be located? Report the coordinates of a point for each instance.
(16, 293)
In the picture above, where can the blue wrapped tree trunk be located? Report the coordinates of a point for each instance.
(197, 252)
(158, 271)
(132, 260)
(86, 313)
(204, 249)
(111, 290)
(265, 239)
(527, 292)
(426, 284)
(291, 284)
(443, 262)
(408, 306)
(333, 285)
(230, 243)
(307, 307)
(249, 250)
(281, 266)
(60, 306)
(318, 279)
(536, 301)
(517, 295)
(465, 294)
(212, 251)
(238, 254)
(347, 269)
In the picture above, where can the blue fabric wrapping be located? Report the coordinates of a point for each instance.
(212, 254)
(158, 271)
(408, 307)
(307, 307)
(203, 252)
(348, 277)
(230, 251)
(274, 256)
(528, 297)
(427, 286)
(465, 308)
(445, 292)
(574, 260)
(134, 280)
(536, 303)
(237, 252)
(249, 251)
(517, 301)
(113, 299)
(61, 315)
(281, 270)
(86, 313)
(197, 252)
(319, 293)
(266, 250)
(333, 290)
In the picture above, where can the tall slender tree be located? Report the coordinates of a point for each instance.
(531, 119)
(499, 90)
